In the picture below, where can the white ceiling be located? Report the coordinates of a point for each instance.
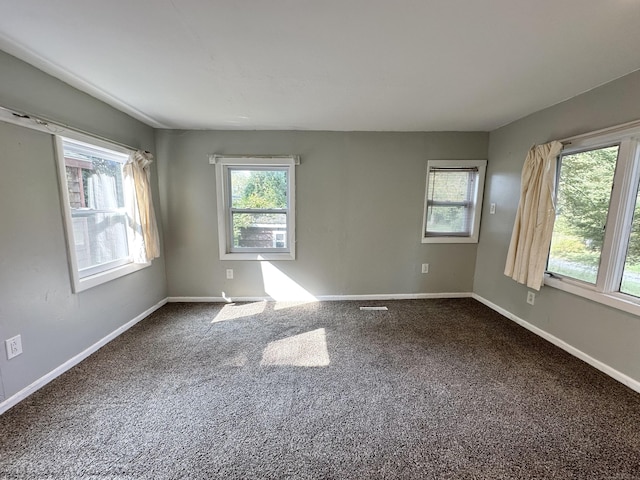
(405, 65)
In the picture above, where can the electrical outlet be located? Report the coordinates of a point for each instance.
(14, 346)
(531, 298)
(229, 273)
(425, 268)
(492, 209)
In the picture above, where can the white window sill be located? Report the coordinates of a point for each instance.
(449, 240)
(258, 256)
(620, 301)
(91, 281)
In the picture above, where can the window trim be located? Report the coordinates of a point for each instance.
(619, 218)
(80, 284)
(224, 163)
(473, 236)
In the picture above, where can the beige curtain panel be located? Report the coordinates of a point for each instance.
(147, 242)
(531, 237)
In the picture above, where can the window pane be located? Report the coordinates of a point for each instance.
(584, 191)
(93, 181)
(99, 239)
(96, 200)
(448, 219)
(631, 274)
(262, 189)
(259, 230)
(449, 202)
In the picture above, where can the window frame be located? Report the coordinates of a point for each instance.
(474, 234)
(618, 225)
(226, 163)
(120, 267)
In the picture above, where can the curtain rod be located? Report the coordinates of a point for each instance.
(615, 128)
(215, 157)
(453, 169)
(43, 123)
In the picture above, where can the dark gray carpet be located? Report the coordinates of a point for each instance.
(433, 389)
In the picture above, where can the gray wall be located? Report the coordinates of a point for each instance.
(602, 332)
(35, 288)
(359, 200)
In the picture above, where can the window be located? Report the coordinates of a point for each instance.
(595, 247)
(583, 195)
(453, 201)
(256, 214)
(95, 200)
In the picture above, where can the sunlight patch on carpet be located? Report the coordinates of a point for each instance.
(304, 350)
(231, 311)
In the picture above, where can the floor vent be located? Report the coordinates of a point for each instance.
(374, 308)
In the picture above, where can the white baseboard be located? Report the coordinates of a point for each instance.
(395, 296)
(198, 299)
(603, 367)
(42, 381)
(327, 298)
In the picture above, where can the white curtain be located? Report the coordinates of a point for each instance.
(531, 237)
(142, 216)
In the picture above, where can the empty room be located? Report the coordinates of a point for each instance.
(329, 239)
